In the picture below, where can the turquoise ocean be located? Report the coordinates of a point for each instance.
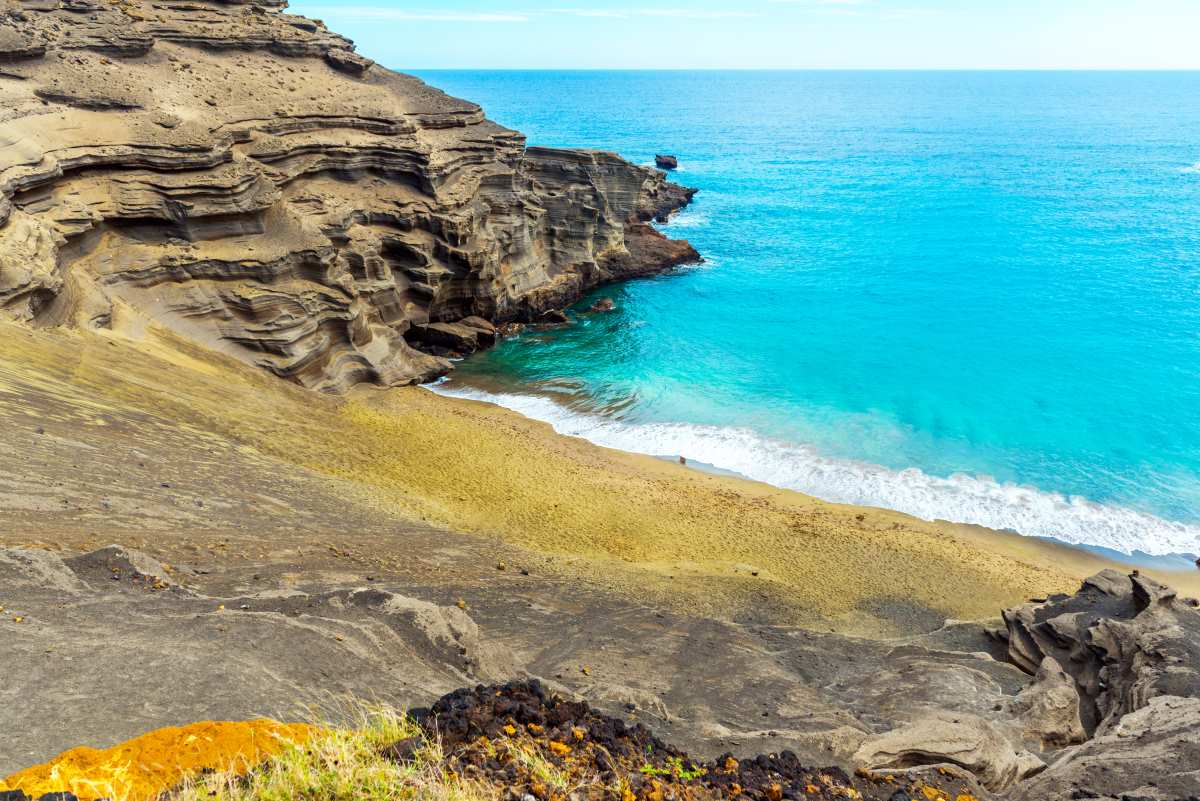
(965, 296)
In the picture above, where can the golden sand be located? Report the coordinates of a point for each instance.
(708, 543)
(141, 769)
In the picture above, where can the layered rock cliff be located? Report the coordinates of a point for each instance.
(244, 178)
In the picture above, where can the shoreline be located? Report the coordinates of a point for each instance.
(708, 545)
(962, 499)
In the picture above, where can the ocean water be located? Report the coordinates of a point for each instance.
(966, 296)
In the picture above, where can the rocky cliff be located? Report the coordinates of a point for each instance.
(242, 177)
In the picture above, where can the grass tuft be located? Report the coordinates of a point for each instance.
(346, 764)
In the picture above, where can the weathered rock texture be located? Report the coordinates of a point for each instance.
(218, 639)
(1122, 639)
(1112, 712)
(1129, 649)
(243, 177)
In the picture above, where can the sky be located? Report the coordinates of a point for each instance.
(768, 34)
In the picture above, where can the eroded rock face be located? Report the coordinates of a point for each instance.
(1123, 640)
(1110, 712)
(1129, 651)
(953, 740)
(1049, 708)
(1153, 753)
(243, 178)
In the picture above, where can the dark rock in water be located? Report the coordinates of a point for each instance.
(554, 317)
(510, 329)
(667, 162)
(602, 305)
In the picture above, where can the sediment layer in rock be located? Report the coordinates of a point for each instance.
(244, 178)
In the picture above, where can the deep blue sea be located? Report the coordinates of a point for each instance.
(966, 296)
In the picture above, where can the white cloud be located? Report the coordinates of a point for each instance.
(397, 15)
(673, 13)
(855, 8)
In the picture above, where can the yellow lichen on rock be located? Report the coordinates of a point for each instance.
(142, 768)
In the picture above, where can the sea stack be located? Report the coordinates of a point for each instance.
(667, 162)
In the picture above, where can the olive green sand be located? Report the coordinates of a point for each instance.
(650, 529)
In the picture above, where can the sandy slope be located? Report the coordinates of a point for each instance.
(248, 449)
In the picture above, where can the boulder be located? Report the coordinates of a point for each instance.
(945, 739)
(452, 339)
(666, 162)
(484, 326)
(349, 62)
(602, 305)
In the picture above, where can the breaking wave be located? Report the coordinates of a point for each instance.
(958, 498)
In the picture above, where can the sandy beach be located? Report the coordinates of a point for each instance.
(650, 529)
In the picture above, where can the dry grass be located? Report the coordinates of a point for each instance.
(345, 764)
(348, 762)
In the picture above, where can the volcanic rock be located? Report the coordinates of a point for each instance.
(967, 741)
(470, 722)
(1049, 708)
(667, 162)
(1123, 640)
(1152, 753)
(241, 178)
(452, 339)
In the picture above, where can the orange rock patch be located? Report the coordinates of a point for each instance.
(141, 769)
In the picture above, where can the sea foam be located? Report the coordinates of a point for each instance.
(959, 498)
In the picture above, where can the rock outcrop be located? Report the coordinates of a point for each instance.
(1049, 708)
(1128, 650)
(949, 740)
(242, 177)
(1112, 711)
(1123, 640)
(1153, 753)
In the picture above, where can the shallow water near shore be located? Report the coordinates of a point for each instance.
(965, 296)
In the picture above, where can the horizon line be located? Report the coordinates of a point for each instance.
(797, 69)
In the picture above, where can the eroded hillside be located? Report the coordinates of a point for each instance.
(245, 178)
